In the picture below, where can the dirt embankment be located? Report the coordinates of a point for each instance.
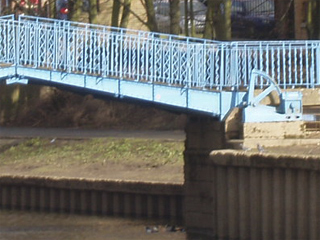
(51, 107)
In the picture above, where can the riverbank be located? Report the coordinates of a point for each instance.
(111, 158)
(17, 225)
(151, 156)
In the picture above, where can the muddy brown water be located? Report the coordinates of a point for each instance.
(16, 225)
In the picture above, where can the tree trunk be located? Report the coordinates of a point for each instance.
(125, 13)
(151, 16)
(51, 9)
(15, 99)
(313, 23)
(187, 14)
(209, 28)
(76, 11)
(98, 6)
(93, 13)
(192, 29)
(218, 20)
(284, 19)
(175, 16)
(115, 13)
(225, 34)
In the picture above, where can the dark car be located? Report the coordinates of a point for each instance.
(253, 19)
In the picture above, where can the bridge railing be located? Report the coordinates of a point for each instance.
(119, 53)
(145, 56)
(290, 63)
(7, 40)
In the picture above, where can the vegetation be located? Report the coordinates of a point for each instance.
(65, 153)
(97, 158)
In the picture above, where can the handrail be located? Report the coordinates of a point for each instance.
(159, 58)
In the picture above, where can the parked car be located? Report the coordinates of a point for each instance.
(162, 10)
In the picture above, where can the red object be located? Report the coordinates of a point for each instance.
(29, 2)
(64, 10)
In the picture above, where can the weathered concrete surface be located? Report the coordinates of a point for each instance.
(252, 142)
(287, 130)
(238, 195)
(310, 96)
(204, 134)
(273, 130)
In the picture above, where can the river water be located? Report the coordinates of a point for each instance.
(16, 225)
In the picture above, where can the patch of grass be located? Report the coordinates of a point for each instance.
(64, 153)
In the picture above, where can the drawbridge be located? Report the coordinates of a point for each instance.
(181, 73)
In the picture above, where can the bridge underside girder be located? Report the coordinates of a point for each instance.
(213, 103)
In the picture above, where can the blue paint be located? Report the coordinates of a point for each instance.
(187, 74)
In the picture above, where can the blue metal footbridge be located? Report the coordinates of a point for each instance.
(186, 74)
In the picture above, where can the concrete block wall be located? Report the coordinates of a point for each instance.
(235, 195)
(204, 134)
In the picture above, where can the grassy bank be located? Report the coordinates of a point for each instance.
(130, 159)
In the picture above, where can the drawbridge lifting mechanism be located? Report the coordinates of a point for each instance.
(289, 109)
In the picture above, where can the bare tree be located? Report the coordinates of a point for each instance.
(125, 13)
(190, 19)
(151, 16)
(175, 16)
(186, 22)
(209, 29)
(93, 11)
(124, 7)
(313, 19)
(226, 20)
(218, 20)
(284, 11)
(75, 10)
(116, 8)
